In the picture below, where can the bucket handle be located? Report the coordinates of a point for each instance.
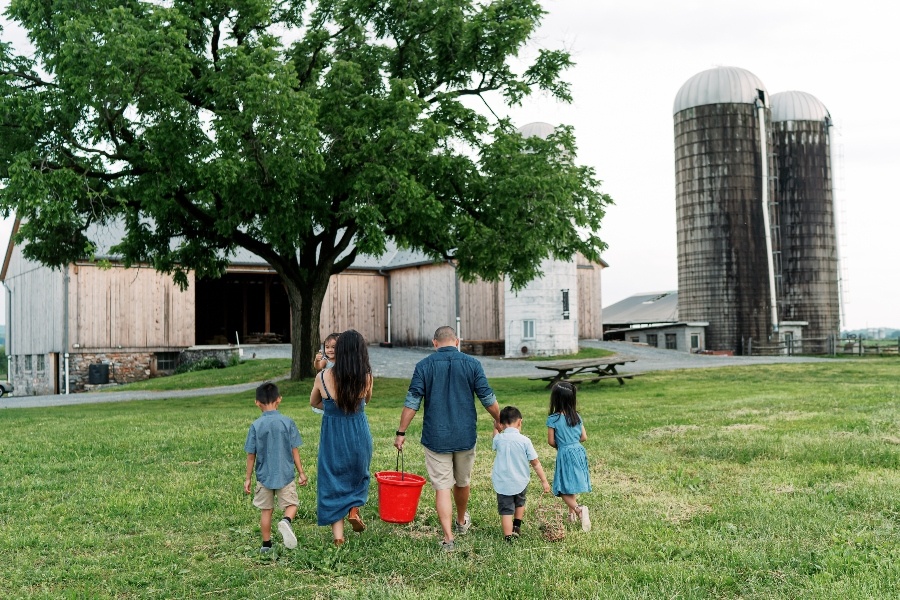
(401, 466)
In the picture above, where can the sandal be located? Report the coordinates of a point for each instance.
(356, 521)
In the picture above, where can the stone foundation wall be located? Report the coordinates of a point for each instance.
(222, 353)
(124, 367)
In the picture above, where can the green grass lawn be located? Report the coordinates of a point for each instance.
(246, 371)
(758, 482)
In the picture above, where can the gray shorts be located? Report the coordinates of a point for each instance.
(506, 505)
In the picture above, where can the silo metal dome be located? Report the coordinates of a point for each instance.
(797, 106)
(538, 128)
(810, 270)
(721, 85)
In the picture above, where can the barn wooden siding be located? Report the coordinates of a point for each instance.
(128, 308)
(355, 300)
(722, 259)
(590, 318)
(422, 299)
(481, 310)
(35, 318)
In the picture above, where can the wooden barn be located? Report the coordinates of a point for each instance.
(91, 322)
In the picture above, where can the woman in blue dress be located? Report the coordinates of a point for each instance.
(345, 442)
(565, 432)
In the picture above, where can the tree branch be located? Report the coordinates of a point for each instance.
(35, 80)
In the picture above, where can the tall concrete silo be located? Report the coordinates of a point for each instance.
(727, 255)
(810, 287)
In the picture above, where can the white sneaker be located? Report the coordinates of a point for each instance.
(463, 528)
(287, 534)
(585, 518)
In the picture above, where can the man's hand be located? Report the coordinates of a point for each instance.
(398, 441)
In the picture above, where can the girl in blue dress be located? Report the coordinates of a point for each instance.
(345, 442)
(565, 432)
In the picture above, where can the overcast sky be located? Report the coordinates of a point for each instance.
(632, 58)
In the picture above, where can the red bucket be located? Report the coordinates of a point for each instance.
(398, 495)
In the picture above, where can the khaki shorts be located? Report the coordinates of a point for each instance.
(264, 498)
(452, 468)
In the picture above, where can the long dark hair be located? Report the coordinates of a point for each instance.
(351, 370)
(563, 400)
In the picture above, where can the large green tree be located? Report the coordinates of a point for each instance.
(305, 132)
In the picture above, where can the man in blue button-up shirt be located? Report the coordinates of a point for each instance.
(446, 382)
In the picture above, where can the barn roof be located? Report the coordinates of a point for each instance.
(108, 235)
(650, 307)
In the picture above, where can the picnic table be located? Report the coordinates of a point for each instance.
(586, 370)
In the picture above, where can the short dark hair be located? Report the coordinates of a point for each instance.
(444, 333)
(509, 415)
(267, 393)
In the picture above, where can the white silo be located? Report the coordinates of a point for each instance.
(542, 318)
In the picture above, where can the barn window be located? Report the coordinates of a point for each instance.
(165, 361)
(528, 330)
(652, 340)
(27, 363)
(695, 341)
(565, 305)
(40, 363)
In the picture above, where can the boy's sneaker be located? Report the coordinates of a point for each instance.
(511, 538)
(265, 549)
(287, 534)
(516, 530)
(463, 528)
(448, 546)
(585, 518)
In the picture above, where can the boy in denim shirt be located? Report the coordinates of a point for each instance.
(271, 446)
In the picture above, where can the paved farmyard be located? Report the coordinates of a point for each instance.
(399, 362)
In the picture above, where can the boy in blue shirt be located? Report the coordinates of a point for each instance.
(271, 446)
(511, 471)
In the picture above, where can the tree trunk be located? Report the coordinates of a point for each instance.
(306, 300)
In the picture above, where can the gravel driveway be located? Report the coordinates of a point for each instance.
(399, 362)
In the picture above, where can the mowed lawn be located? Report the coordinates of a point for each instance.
(754, 482)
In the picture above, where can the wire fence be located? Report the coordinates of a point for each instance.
(827, 346)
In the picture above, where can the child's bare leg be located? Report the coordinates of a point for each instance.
(291, 511)
(506, 523)
(571, 502)
(520, 512)
(265, 524)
